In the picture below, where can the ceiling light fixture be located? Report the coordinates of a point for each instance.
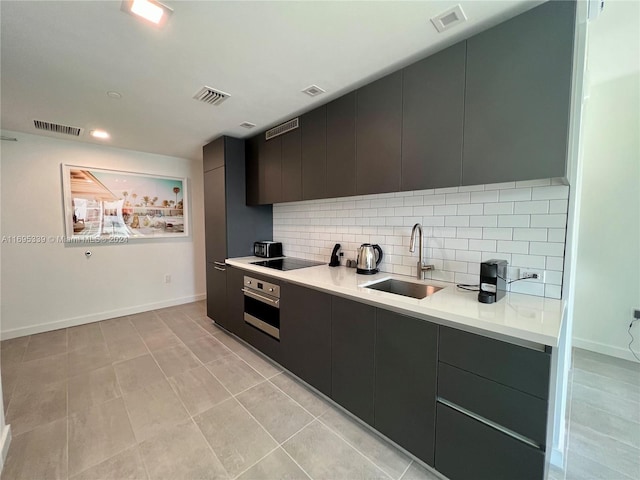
(151, 10)
(114, 95)
(101, 134)
(313, 90)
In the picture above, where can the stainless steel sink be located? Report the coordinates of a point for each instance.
(407, 289)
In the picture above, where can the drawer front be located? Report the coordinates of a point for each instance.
(517, 367)
(515, 410)
(469, 449)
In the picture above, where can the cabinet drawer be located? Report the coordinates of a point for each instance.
(469, 449)
(513, 409)
(517, 367)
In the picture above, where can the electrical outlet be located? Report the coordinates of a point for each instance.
(167, 278)
(532, 275)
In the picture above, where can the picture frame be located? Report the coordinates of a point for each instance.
(114, 206)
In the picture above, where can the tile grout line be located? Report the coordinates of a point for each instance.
(406, 470)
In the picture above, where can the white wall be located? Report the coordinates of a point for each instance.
(521, 222)
(608, 262)
(52, 285)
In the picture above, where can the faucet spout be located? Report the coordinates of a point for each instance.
(421, 267)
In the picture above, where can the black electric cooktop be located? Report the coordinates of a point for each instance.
(287, 263)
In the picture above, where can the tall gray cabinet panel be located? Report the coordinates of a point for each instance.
(313, 127)
(432, 120)
(231, 226)
(352, 356)
(341, 147)
(379, 135)
(270, 171)
(405, 381)
(291, 167)
(518, 96)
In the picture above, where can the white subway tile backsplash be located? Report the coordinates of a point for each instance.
(521, 222)
(515, 195)
(528, 288)
(471, 209)
(497, 233)
(537, 206)
(505, 208)
(555, 192)
(513, 221)
(484, 197)
(549, 221)
(531, 234)
(483, 245)
(508, 246)
(445, 210)
(483, 221)
(466, 279)
(470, 232)
(458, 221)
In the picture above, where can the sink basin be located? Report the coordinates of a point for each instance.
(407, 289)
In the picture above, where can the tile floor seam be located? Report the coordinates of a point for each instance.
(405, 470)
(319, 419)
(294, 460)
(294, 400)
(256, 462)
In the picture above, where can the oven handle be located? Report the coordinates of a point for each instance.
(274, 303)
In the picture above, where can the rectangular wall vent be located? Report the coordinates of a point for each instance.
(281, 129)
(211, 96)
(56, 128)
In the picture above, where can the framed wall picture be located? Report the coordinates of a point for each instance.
(111, 205)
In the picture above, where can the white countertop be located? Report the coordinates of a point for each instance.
(516, 318)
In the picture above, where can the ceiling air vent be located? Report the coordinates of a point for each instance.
(211, 96)
(247, 124)
(56, 128)
(282, 128)
(448, 19)
(313, 90)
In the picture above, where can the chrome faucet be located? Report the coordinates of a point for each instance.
(421, 268)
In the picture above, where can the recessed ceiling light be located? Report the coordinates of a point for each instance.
(101, 134)
(247, 124)
(313, 90)
(151, 10)
(115, 95)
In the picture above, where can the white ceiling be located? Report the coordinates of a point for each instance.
(59, 58)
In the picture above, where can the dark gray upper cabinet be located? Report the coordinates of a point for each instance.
(379, 135)
(518, 96)
(341, 147)
(313, 130)
(352, 356)
(305, 334)
(253, 170)
(215, 215)
(405, 382)
(213, 155)
(291, 167)
(270, 171)
(432, 120)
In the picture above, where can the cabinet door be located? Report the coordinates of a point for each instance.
(467, 449)
(291, 167)
(313, 127)
(234, 319)
(217, 293)
(379, 135)
(215, 216)
(341, 147)
(432, 120)
(252, 164)
(352, 356)
(305, 334)
(213, 154)
(518, 93)
(270, 171)
(405, 391)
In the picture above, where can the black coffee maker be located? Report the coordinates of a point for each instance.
(493, 283)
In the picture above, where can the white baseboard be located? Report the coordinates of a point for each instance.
(97, 317)
(5, 441)
(605, 349)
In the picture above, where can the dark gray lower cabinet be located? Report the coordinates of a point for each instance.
(405, 381)
(305, 334)
(216, 293)
(469, 449)
(233, 320)
(352, 356)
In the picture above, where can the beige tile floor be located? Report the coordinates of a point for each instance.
(166, 394)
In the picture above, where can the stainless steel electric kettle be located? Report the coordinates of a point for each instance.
(366, 263)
